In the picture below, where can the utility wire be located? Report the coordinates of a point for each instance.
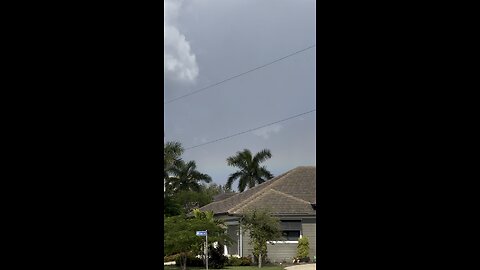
(239, 75)
(243, 132)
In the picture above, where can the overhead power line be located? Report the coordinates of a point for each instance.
(246, 131)
(239, 75)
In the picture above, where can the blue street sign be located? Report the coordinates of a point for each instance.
(201, 233)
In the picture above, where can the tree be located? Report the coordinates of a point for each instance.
(250, 172)
(171, 157)
(180, 238)
(262, 227)
(185, 177)
(183, 202)
(171, 207)
(190, 200)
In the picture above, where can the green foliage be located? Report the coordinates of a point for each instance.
(184, 177)
(171, 207)
(189, 200)
(246, 261)
(180, 238)
(303, 248)
(242, 261)
(191, 261)
(184, 202)
(171, 156)
(216, 258)
(262, 227)
(171, 258)
(213, 190)
(234, 261)
(250, 173)
(183, 191)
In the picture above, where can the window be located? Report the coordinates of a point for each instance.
(291, 235)
(291, 229)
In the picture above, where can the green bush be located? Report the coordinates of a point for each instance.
(305, 259)
(191, 261)
(303, 248)
(216, 258)
(234, 261)
(243, 261)
(171, 258)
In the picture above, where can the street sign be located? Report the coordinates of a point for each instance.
(204, 233)
(201, 233)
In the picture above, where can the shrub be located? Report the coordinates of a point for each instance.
(171, 258)
(245, 261)
(305, 259)
(235, 261)
(216, 258)
(303, 248)
(191, 261)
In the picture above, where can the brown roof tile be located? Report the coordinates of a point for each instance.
(290, 193)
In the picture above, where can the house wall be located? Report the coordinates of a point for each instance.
(247, 249)
(276, 252)
(309, 230)
(279, 251)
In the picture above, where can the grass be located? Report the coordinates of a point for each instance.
(254, 267)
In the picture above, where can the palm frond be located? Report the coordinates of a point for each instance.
(250, 173)
(262, 156)
(242, 183)
(264, 173)
(232, 178)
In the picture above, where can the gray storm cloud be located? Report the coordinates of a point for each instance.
(179, 63)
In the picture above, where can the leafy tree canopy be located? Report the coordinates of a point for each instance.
(180, 237)
(262, 227)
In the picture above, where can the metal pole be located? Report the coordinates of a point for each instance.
(206, 247)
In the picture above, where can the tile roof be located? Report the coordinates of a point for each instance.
(291, 193)
(223, 196)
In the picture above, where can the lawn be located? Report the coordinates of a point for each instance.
(254, 267)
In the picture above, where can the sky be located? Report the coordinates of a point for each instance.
(208, 41)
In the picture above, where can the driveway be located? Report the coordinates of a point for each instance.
(310, 266)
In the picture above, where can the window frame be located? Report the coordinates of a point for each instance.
(288, 241)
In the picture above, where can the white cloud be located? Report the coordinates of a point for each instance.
(267, 131)
(180, 62)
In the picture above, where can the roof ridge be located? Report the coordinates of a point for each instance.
(266, 192)
(261, 192)
(291, 196)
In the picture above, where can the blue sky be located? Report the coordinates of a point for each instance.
(207, 41)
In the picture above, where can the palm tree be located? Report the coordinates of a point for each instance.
(171, 157)
(184, 177)
(250, 172)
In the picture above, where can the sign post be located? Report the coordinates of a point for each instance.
(204, 233)
(206, 247)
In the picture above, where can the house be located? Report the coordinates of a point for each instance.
(290, 196)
